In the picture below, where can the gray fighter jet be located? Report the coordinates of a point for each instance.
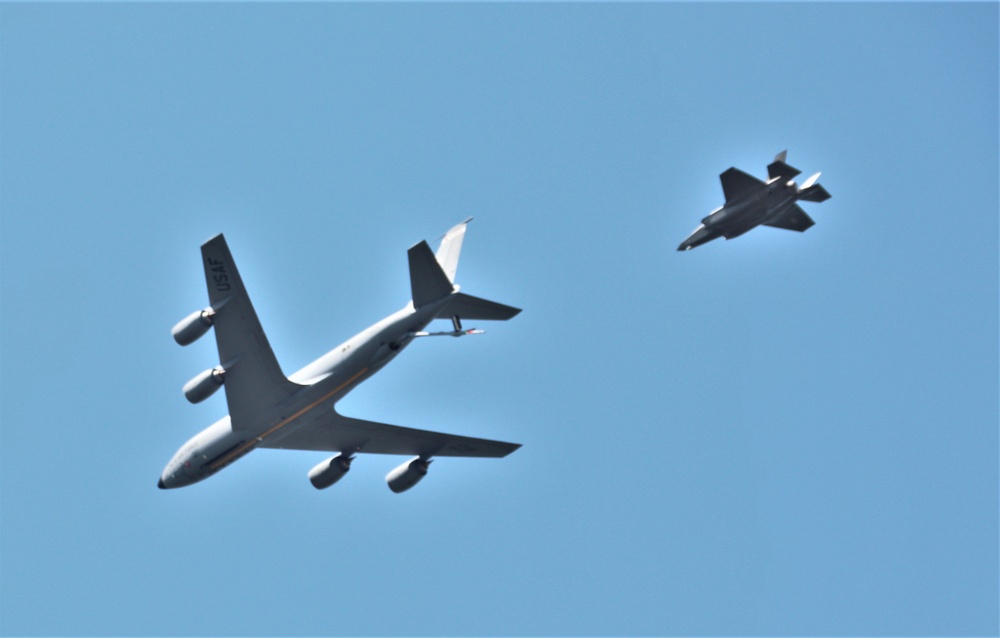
(751, 202)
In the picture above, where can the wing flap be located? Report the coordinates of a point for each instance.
(333, 432)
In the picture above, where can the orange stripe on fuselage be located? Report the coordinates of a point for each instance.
(245, 448)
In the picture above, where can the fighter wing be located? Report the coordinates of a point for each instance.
(793, 219)
(736, 183)
(333, 432)
(253, 380)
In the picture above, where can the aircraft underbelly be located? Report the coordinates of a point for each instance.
(314, 401)
(360, 359)
(749, 220)
(761, 214)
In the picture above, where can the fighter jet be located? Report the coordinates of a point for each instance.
(751, 202)
(269, 410)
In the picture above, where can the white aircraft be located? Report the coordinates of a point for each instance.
(268, 410)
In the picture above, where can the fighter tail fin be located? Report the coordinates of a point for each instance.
(778, 168)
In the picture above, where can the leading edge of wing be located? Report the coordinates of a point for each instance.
(334, 432)
(254, 382)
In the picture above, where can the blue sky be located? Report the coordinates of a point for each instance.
(783, 434)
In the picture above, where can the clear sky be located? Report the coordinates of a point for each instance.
(780, 434)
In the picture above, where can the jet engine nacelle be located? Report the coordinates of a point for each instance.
(407, 475)
(330, 471)
(204, 385)
(192, 327)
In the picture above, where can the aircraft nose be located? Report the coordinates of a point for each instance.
(697, 238)
(161, 485)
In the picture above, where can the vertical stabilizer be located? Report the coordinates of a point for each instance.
(450, 248)
(428, 282)
(778, 168)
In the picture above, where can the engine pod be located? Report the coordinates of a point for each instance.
(204, 385)
(192, 327)
(407, 475)
(329, 471)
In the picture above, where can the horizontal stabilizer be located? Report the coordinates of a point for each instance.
(814, 193)
(794, 219)
(778, 168)
(428, 281)
(474, 308)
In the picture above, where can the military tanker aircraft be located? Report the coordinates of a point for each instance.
(751, 203)
(269, 410)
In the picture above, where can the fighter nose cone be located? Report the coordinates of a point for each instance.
(697, 238)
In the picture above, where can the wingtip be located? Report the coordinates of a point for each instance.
(459, 226)
(417, 246)
(215, 238)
